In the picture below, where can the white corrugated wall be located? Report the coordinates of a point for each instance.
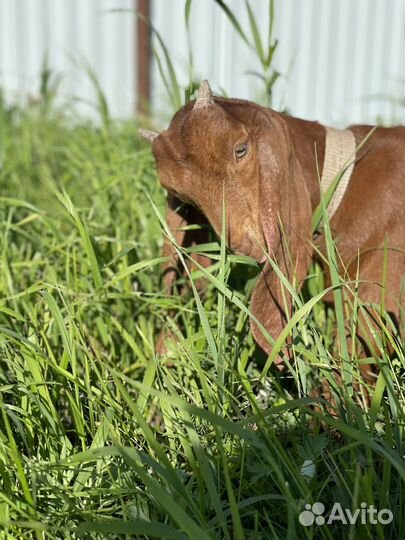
(341, 60)
(70, 33)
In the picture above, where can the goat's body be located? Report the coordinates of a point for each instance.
(369, 225)
(271, 185)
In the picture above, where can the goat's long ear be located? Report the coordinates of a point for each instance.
(286, 221)
(179, 216)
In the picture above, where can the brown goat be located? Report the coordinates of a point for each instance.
(265, 165)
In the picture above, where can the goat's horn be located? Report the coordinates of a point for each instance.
(148, 134)
(204, 96)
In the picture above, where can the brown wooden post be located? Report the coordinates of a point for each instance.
(143, 53)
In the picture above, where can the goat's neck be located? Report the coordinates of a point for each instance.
(309, 144)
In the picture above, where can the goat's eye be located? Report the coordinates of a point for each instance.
(241, 150)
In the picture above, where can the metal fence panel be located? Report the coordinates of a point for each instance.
(71, 33)
(341, 61)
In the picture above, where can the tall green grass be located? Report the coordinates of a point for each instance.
(262, 47)
(102, 438)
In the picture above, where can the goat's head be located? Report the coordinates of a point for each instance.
(226, 153)
(219, 151)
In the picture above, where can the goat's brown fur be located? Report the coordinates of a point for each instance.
(272, 192)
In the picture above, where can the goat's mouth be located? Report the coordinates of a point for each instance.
(257, 249)
(250, 242)
(249, 250)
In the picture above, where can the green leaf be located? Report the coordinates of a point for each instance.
(233, 20)
(187, 10)
(256, 34)
(138, 527)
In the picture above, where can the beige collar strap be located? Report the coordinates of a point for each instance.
(340, 149)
